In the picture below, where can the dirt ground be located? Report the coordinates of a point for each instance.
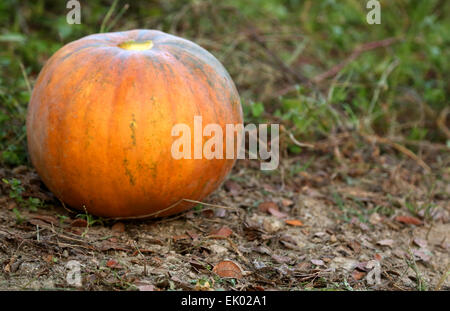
(347, 214)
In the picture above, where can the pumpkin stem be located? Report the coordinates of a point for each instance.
(136, 46)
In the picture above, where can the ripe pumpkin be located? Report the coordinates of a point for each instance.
(100, 118)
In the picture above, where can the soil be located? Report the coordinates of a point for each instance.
(345, 215)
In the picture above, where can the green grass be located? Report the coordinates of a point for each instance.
(398, 90)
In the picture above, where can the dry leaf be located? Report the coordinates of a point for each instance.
(358, 275)
(410, 220)
(223, 232)
(422, 254)
(228, 269)
(113, 264)
(264, 206)
(287, 202)
(208, 213)
(11, 205)
(46, 218)
(118, 227)
(276, 213)
(294, 222)
(420, 242)
(79, 223)
(303, 266)
(232, 187)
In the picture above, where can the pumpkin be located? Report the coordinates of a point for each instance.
(100, 118)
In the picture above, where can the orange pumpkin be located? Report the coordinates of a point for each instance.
(100, 118)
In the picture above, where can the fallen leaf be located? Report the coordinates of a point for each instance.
(113, 264)
(303, 266)
(362, 266)
(48, 258)
(355, 246)
(364, 227)
(38, 222)
(378, 257)
(232, 187)
(79, 223)
(264, 206)
(287, 202)
(410, 220)
(386, 242)
(108, 245)
(118, 227)
(358, 275)
(11, 205)
(422, 254)
(294, 222)
(263, 250)
(208, 213)
(46, 218)
(223, 232)
(276, 213)
(420, 242)
(228, 269)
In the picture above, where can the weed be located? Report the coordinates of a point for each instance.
(16, 192)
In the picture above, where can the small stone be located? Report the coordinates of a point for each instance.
(272, 225)
(218, 249)
(317, 262)
(374, 218)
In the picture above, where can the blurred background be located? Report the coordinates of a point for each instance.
(316, 67)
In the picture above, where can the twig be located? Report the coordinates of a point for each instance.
(108, 16)
(443, 278)
(277, 61)
(355, 54)
(421, 144)
(25, 76)
(294, 140)
(441, 122)
(400, 148)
